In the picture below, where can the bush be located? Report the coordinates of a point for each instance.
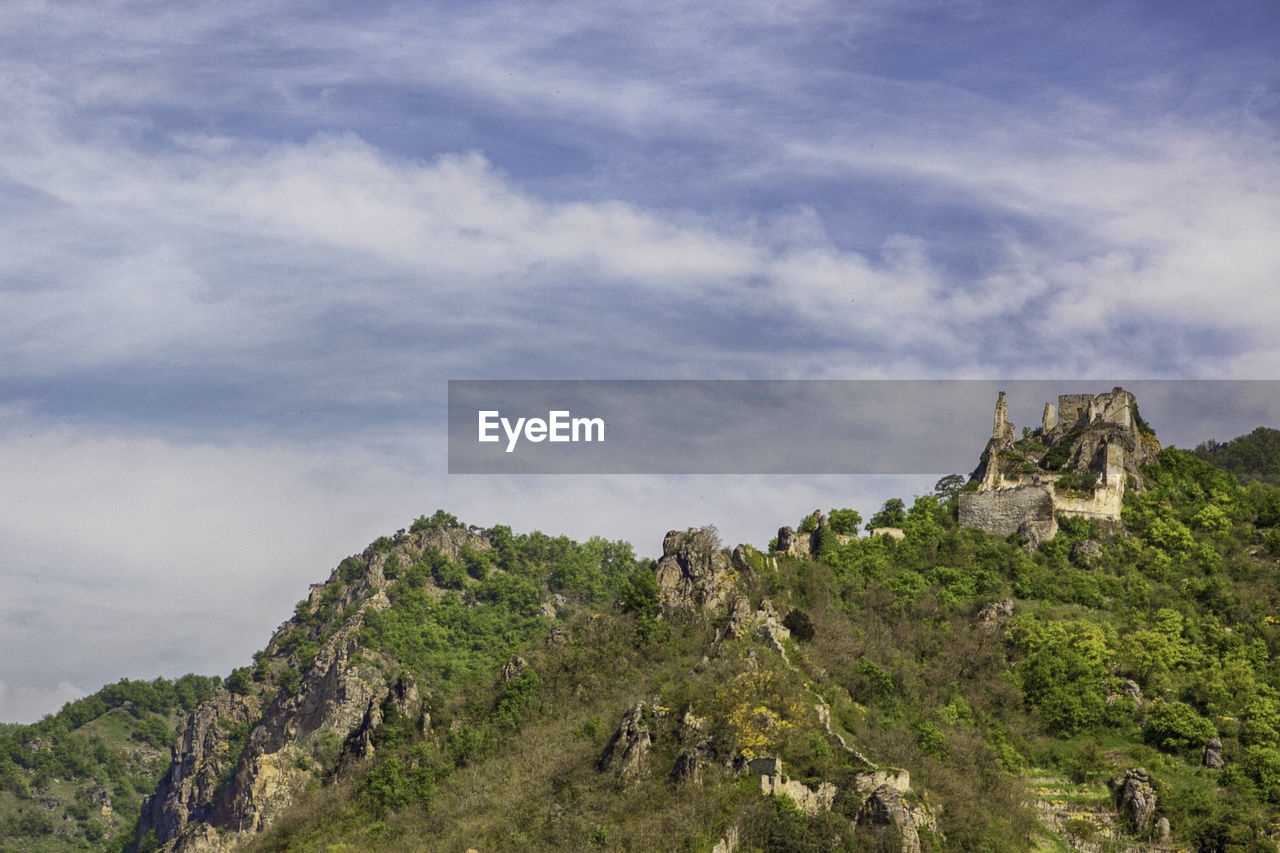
(240, 680)
(390, 786)
(1175, 726)
(799, 624)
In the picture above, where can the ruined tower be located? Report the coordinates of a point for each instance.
(1086, 452)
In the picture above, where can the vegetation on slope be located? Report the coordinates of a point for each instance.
(1183, 607)
(76, 779)
(1255, 456)
(1123, 649)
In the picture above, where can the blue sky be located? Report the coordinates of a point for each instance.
(245, 245)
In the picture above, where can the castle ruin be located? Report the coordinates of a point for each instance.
(1086, 452)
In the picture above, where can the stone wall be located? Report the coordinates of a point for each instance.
(1104, 504)
(1028, 510)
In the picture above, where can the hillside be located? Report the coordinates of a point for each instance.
(1255, 456)
(931, 688)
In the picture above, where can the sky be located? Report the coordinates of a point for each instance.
(244, 246)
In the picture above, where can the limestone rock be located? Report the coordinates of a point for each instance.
(693, 576)
(1086, 552)
(1133, 691)
(995, 612)
(197, 808)
(796, 544)
(1213, 754)
(886, 806)
(1137, 799)
(687, 768)
(185, 793)
(1163, 830)
(449, 541)
(512, 668)
(628, 746)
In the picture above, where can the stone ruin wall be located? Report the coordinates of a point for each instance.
(1105, 504)
(1004, 506)
(1028, 510)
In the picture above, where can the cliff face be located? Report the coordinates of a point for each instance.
(309, 708)
(1079, 461)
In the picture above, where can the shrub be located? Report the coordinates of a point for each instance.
(799, 624)
(240, 680)
(1175, 726)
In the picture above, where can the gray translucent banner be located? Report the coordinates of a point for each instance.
(797, 426)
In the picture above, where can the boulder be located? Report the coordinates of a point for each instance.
(995, 612)
(1213, 754)
(1086, 552)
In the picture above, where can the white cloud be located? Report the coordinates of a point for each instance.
(27, 704)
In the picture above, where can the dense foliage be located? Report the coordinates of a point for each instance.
(1255, 456)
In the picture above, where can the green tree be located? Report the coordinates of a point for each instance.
(844, 521)
(949, 486)
(892, 514)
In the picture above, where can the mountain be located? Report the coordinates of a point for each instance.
(932, 687)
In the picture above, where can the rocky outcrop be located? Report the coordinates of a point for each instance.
(402, 701)
(1086, 552)
(1136, 799)
(769, 627)
(185, 794)
(694, 577)
(687, 768)
(242, 759)
(513, 667)
(886, 807)
(335, 699)
(995, 613)
(1213, 754)
(625, 754)
(802, 545)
